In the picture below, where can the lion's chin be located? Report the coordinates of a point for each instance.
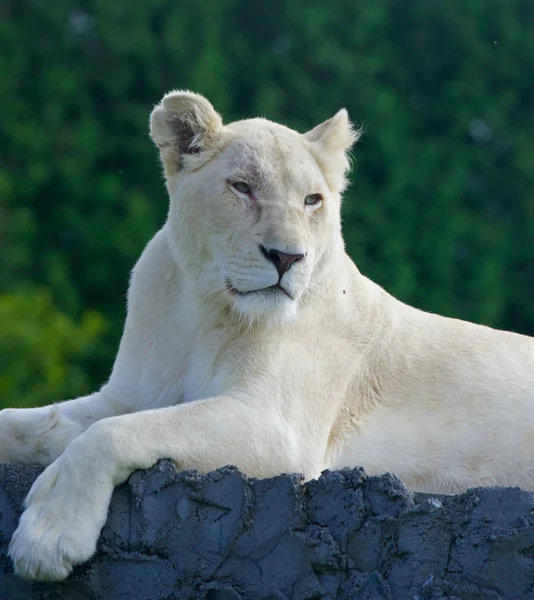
(269, 306)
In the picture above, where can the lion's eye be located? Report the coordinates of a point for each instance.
(313, 199)
(242, 187)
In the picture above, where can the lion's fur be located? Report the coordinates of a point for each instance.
(213, 368)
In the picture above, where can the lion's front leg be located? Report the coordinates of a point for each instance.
(40, 435)
(35, 435)
(67, 505)
(65, 511)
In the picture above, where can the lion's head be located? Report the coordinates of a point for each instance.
(255, 206)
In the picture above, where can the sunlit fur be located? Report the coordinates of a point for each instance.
(216, 367)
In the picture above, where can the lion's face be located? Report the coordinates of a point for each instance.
(255, 206)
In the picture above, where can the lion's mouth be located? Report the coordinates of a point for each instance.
(272, 289)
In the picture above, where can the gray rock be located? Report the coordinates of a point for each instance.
(222, 536)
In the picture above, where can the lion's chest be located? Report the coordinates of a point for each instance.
(208, 373)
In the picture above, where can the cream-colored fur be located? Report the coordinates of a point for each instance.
(216, 366)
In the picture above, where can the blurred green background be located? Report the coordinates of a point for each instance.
(441, 207)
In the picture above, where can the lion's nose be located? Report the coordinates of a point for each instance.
(281, 260)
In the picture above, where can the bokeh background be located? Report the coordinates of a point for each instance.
(441, 207)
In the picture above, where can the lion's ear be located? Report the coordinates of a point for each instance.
(334, 134)
(183, 124)
(330, 142)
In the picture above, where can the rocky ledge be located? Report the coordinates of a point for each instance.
(222, 536)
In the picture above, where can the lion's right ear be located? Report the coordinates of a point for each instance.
(183, 124)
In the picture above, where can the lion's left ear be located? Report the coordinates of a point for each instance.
(330, 142)
(336, 133)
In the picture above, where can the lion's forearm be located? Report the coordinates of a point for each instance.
(257, 442)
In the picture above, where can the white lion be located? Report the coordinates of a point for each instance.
(252, 339)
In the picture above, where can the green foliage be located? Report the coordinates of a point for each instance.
(42, 344)
(441, 210)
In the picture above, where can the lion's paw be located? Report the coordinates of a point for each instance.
(59, 528)
(35, 435)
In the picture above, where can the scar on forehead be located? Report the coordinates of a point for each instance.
(256, 162)
(248, 162)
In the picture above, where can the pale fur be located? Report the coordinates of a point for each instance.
(340, 374)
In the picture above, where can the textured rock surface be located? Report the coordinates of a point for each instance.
(173, 536)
